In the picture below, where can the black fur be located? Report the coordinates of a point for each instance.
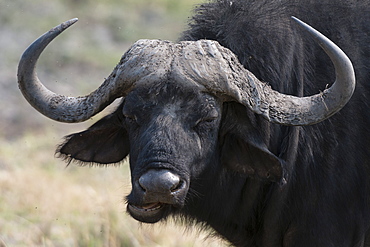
(105, 142)
(256, 183)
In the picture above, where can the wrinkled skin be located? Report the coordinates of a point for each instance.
(188, 149)
(178, 133)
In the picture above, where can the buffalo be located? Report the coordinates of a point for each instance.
(242, 126)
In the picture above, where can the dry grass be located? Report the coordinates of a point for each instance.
(44, 203)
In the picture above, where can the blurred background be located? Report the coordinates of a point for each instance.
(43, 202)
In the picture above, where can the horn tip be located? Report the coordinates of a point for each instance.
(294, 18)
(74, 20)
(299, 21)
(69, 23)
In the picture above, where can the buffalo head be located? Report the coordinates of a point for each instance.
(185, 111)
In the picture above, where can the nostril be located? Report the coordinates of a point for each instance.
(179, 186)
(145, 181)
(142, 184)
(161, 181)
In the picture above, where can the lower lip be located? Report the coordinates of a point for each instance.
(147, 208)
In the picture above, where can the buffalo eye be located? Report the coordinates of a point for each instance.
(130, 119)
(207, 122)
(204, 126)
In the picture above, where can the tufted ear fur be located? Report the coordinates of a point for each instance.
(104, 142)
(242, 147)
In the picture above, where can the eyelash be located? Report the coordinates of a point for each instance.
(130, 120)
(204, 123)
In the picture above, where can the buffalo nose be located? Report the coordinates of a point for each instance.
(159, 181)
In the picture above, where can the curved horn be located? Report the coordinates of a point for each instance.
(219, 70)
(133, 68)
(292, 110)
(54, 106)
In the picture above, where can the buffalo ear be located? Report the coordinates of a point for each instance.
(250, 156)
(104, 142)
(242, 147)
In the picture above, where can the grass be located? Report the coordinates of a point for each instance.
(45, 203)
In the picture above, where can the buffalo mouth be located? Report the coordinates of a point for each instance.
(148, 213)
(155, 194)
